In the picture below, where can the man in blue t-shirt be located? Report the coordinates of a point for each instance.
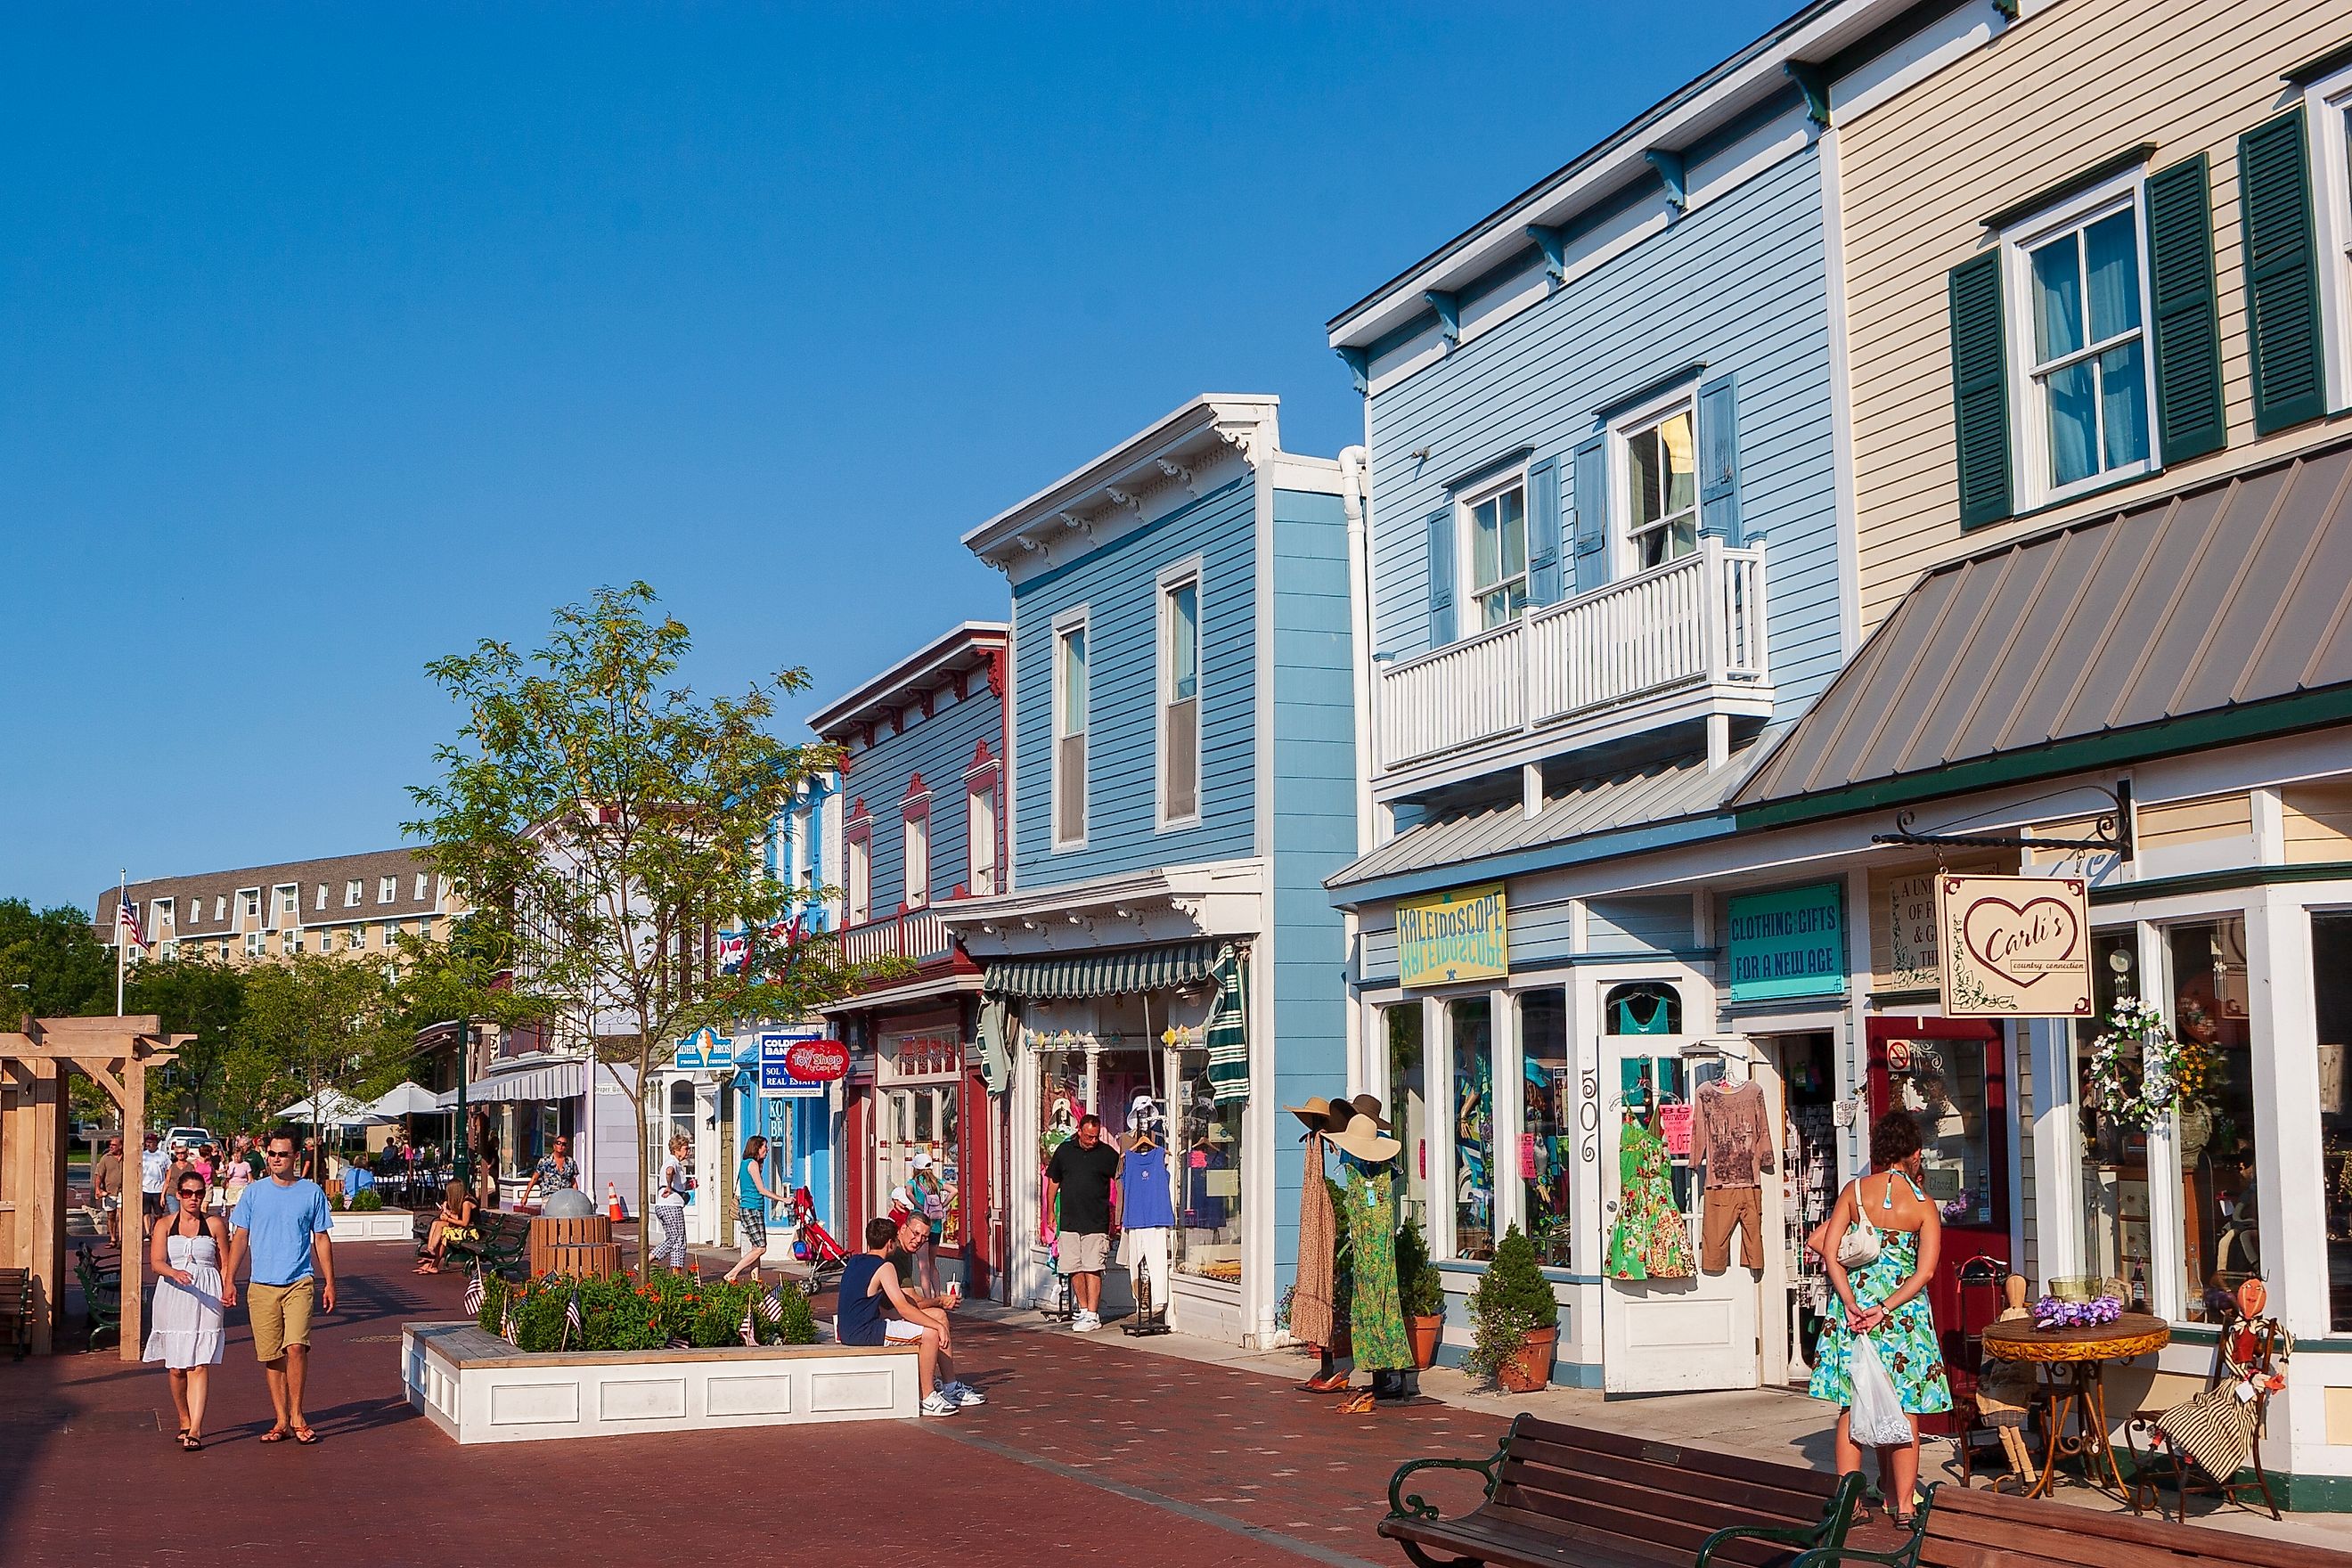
(284, 1225)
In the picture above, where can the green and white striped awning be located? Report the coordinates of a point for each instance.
(1077, 975)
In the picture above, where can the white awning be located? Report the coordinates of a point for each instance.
(524, 1080)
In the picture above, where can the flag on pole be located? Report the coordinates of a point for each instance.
(126, 918)
(748, 1330)
(571, 1324)
(506, 1321)
(771, 1305)
(474, 1295)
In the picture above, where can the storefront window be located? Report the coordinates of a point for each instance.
(1209, 1156)
(2115, 1153)
(1941, 1083)
(1409, 1107)
(1474, 1129)
(2220, 1245)
(1547, 1147)
(2331, 986)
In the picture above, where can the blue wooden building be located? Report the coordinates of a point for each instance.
(1182, 765)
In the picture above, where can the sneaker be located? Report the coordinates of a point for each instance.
(1084, 1322)
(965, 1394)
(939, 1403)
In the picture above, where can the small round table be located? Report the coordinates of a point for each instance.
(2076, 1359)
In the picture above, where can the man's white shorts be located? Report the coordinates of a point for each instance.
(899, 1332)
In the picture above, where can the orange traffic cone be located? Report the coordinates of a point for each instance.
(613, 1209)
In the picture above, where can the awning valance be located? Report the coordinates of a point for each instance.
(549, 1081)
(1072, 976)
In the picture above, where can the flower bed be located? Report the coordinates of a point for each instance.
(618, 1312)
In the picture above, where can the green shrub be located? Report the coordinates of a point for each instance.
(367, 1201)
(1513, 1300)
(1418, 1281)
(618, 1313)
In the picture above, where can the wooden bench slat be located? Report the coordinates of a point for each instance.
(1677, 1526)
(2040, 1532)
(1755, 1501)
(1689, 1458)
(1502, 1547)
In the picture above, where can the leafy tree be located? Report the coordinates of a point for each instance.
(204, 997)
(607, 824)
(316, 1027)
(56, 956)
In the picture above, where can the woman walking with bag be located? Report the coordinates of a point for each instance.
(1879, 1248)
(752, 1200)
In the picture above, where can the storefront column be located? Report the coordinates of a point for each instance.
(1437, 1036)
(2055, 1131)
(2284, 1054)
(1509, 1071)
(2167, 1295)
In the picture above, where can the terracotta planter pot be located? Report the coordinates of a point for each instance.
(1424, 1333)
(1530, 1370)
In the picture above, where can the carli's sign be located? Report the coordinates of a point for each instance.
(2014, 947)
(1461, 934)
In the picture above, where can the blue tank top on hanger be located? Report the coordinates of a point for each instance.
(1143, 1178)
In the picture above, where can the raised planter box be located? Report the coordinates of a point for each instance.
(374, 1225)
(479, 1389)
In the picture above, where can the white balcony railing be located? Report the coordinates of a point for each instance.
(916, 935)
(1698, 621)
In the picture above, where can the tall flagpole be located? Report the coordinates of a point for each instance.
(123, 892)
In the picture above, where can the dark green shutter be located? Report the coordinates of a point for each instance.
(1718, 445)
(1591, 530)
(1980, 390)
(2189, 417)
(2282, 273)
(1543, 532)
(1439, 530)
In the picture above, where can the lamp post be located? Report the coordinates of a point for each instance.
(464, 1130)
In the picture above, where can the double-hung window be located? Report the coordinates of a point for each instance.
(1497, 526)
(2327, 109)
(1179, 698)
(980, 807)
(1661, 487)
(2077, 283)
(1070, 732)
(859, 893)
(918, 817)
(352, 892)
(387, 889)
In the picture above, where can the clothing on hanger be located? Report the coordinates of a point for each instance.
(1731, 1135)
(1650, 1239)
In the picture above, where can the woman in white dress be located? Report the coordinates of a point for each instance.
(185, 1252)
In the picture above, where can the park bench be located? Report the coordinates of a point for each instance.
(101, 1296)
(1562, 1494)
(1962, 1529)
(16, 1309)
(501, 1244)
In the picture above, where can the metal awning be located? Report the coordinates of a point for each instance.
(2219, 614)
(541, 1081)
(1116, 974)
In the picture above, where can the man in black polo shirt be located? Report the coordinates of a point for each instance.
(1080, 1175)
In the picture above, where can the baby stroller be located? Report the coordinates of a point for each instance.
(815, 1245)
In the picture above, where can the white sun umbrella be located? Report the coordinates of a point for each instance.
(333, 1109)
(405, 1099)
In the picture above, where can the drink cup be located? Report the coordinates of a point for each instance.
(955, 1293)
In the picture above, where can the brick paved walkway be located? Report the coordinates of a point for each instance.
(1086, 1452)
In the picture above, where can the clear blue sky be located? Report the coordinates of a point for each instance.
(337, 337)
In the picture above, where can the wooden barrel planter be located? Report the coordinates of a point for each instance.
(548, 1235)
(578, 1259)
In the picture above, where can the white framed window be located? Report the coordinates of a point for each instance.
(1655, 455)
(859, 893)
(420, 887)
(1179, 737)
(387, 889)
(168, 952)
(1493, 528)
(979, 814)
(253, 945)
(251, 899)
(322, 896)
(159, 914)
(289, 941)
(2082, 388)
(353, 891)
(1070, 730)
(359, 938)
(2327, 113)
(220, 906)
(289, 900)
(918, 851)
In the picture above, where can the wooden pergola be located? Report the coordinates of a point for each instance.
(36, 1123)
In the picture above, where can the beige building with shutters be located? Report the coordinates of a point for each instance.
(342, 905)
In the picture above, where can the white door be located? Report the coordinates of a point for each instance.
(1664, 1336)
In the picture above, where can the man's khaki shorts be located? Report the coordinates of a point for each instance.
(281, 1316)
(1084, 1252)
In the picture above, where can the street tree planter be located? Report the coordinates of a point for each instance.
(1514, 1318)
(1423, 1289)
(1424, 1333)
(1528, 1370)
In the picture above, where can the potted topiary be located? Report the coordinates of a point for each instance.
(1514, 1321)
(1423, 1289)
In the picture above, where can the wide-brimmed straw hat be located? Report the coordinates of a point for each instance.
(1356, 1132)
(1370, 1105)
(1316, 1113)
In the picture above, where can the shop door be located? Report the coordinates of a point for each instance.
(1950, 1076)
(1667, 1335)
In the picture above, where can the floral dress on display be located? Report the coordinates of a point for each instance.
(1906, 1341)
(1651, 1239)
(1376, 1311)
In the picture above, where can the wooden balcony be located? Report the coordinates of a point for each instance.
(915, 935)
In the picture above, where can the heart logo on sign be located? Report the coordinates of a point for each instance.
(2019, 942)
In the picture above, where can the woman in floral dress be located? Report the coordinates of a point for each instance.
(1884, 1301)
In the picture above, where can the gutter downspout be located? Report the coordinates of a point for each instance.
(1354, 492)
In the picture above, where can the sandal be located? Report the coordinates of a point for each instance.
(304, 1436)
(1357, 1404)
(191, 1444)
(275, 1434)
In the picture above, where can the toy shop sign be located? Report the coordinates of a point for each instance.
(2014, 947)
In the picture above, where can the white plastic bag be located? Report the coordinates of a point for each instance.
(1878, 1421)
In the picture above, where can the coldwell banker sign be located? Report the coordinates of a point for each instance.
(1787, 943)
(1461, 934)
(2014, 947)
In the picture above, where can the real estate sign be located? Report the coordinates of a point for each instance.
(1463, 933)
(2014, 947)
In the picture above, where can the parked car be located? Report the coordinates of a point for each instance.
(188, 1138)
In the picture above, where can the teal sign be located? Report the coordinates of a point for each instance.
(1790, 943)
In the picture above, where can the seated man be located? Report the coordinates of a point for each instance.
(914, 1232)
(867, 1285)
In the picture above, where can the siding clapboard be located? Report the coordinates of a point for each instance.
(939, 747)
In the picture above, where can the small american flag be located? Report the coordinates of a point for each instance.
(126, 917)
(679, 1343)
(572, 1324)
(474, 1295)
(748, 1330)
(771, 1305)
(506, 1321)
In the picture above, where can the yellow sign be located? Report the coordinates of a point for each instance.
(2014, 947)
(1460, 935)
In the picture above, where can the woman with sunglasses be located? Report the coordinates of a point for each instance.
(185, 1330)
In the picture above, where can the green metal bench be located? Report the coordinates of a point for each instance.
(101, 1297)
(501, 1246)
(16, 1309)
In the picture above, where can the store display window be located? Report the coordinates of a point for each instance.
(2331, 990)
(2220, 1239)
(1472, 1102)
(2115, 1151)
(1548, 1146)
(1209, 1160)
(1408, 1107)
(1941, 1084)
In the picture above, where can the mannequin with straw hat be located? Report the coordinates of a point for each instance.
(1315, 1291)
(1357, 1129)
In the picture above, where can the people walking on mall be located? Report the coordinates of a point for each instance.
(1880, 1307)
(753, 1196)
(154, 1167)
(106, 1189)
(556, 1171)
(283, 1225)
(669, 1203)
(868, 1284)
(184, 1330)
(1078, 1208)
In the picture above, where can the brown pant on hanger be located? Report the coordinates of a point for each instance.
(1726, 1208)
